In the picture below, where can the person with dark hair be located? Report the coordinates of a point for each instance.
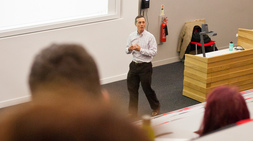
(76, 120)
(64, 69)
(142, 45)
(224, 106)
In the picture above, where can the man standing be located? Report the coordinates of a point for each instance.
(142, 45)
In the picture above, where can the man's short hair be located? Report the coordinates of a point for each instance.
(65, 64)
(139, 16)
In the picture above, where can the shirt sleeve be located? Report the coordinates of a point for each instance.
(128, 45)
(152, 49)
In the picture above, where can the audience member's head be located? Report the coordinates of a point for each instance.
(224, 106)
(75, 120)
(64, 68)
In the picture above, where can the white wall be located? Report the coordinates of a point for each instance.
(106, 40)
(222, 16)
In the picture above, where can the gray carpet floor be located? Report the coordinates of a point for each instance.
(167, 81)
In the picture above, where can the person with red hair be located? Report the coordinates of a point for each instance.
(224, 106)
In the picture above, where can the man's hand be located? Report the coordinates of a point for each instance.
(134, 47)
(131, 48)
(137, 47)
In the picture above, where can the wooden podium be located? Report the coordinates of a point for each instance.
(202, 74)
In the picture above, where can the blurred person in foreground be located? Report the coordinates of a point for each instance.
(65, 69)
(224, 106)
(75, 120)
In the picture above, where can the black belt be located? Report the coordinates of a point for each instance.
(142, 63)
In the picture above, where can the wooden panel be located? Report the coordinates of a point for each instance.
(241, 78)
(236, 61)
(194, 86)
(195, 74)
(234, 72)
(245, 38)
(195, 82)
(246, 87)
(194, 96)
(199, 93)
(218, 76)
(196, 62)
(229, 56)
(202, 74)
(232, 81)
(198, 58)
(194, 65)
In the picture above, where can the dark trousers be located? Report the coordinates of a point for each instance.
(140, 73)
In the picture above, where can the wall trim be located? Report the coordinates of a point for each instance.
(14, 101)
(165, 61)
(124, 76)
(113, 78)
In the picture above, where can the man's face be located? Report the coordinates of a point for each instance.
(140, 24)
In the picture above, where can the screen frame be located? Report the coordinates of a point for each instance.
(113, 13)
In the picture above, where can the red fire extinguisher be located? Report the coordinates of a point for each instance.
(164, 30)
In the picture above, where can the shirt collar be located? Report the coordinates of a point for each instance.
(141, 33)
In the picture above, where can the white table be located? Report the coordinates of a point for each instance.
(180, 125)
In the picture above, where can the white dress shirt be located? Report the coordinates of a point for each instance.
(147, 43)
